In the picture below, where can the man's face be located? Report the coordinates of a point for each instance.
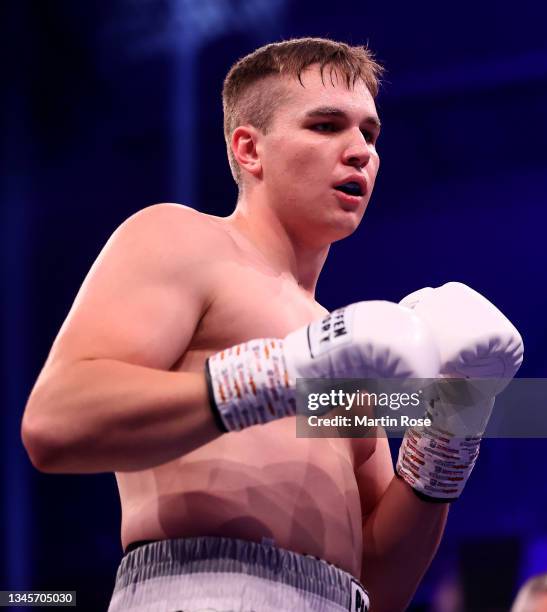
(323, 137)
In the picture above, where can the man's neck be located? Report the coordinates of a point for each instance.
(285, 253)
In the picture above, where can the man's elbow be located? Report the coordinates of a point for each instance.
(41, 437)
(39, 446)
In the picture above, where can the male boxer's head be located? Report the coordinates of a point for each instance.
(299, 119)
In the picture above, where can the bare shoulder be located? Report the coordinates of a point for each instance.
(168, 213)
(170, 241)
(174, 227)
(157, 266)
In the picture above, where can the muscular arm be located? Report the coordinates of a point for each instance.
(401, 533)
(105, 399)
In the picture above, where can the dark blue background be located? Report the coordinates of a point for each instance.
(108, 107)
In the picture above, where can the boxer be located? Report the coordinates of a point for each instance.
(176, 369)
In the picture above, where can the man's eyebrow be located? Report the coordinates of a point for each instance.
(332, 111)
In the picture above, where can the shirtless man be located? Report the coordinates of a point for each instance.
(218, 513)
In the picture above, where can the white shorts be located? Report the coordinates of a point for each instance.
(210, 574)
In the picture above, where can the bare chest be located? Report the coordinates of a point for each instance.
(248, 302)
(263, 481)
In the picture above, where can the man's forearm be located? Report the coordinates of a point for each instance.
(104, 415)
(400, 538)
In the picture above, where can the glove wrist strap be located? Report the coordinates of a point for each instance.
(436, 463)
(249, 384)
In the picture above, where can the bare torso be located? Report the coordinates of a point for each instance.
(264, 481)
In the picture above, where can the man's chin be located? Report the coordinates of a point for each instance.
(344, 233)
(337, 228)
(345, 223)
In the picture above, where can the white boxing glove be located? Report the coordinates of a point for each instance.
(475, 339)
(477, 343)
(255, 382)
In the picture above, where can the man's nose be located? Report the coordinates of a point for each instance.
(357, 153)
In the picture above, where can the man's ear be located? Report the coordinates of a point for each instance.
(244, 148)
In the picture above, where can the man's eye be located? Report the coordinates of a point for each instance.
(324, 127)
(369, 136)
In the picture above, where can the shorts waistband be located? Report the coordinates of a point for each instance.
(166, 558)
(137, 544)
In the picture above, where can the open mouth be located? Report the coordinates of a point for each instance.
(350, 188)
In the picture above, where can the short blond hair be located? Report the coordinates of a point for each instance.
(251, 93)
